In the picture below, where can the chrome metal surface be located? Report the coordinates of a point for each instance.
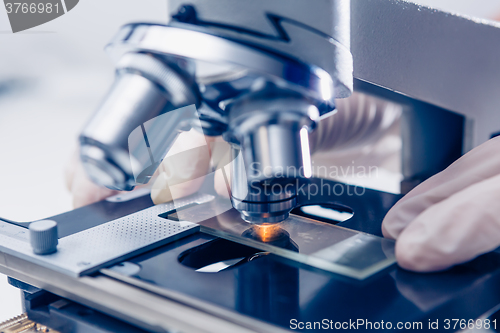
(176, 87)
(147, 107)
(264, 211)
(259, 98)
(315, 33)
(268, 127)
(260, 201)
(218, 60)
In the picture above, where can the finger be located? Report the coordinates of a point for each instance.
(70, 170)
(222, 179)
(164, 190)
(84, 190)
(480, 163)
(453, 231)
(361, 119)
(183, 169)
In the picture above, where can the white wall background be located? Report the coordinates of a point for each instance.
(489, 9)
(58, 73)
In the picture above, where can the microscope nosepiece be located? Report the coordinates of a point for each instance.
(263, 100)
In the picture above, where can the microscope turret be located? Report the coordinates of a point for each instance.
(259, 75)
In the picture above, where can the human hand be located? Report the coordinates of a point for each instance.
(185, 166)
(182, 172)
(452, 217)
(83, 190)
(360, 119)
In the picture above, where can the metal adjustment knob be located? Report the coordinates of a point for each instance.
(43, 236)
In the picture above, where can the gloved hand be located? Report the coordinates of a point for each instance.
(190, 159)
(84, 191)
(452, 217)
(185, 166)
(360, 119)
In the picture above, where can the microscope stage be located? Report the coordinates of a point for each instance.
(322, 245)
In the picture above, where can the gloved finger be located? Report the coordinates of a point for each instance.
(182, 171)
(222, 178)
(83, 189)
(361, 119)
(481, 163)
(70, 170)
(453, 231)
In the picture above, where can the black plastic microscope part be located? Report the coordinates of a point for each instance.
(67, 316)
(268, 288)
(369, 209)
(432, 137)
(215, 251)
(93, 215)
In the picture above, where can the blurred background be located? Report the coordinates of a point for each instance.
(52, 78)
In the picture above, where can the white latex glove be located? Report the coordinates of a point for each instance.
(185, 166)
(361, 119)
(183, 170)
(452, 217)
(84, 191)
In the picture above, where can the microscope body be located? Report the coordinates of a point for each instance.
(261, 74)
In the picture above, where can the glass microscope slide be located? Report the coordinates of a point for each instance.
(326, 246)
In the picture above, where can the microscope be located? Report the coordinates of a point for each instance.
(262, 77)
(262, 74)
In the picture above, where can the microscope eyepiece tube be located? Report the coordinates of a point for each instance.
(132, 131)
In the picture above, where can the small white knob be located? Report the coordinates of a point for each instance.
(43, 236)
